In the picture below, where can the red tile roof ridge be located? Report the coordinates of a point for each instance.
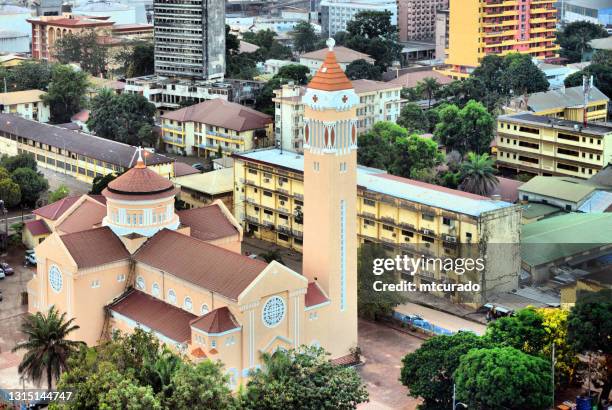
(330, 76)
(431, 186)
(62, 205)
(216, 321)
(37, 227)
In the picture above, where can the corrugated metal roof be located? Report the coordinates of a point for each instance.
(553, 187)
(600, 201)
(572, 96)
(370, 178)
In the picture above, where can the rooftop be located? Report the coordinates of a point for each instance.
(557, 187)
(314, 295)
(601, 43)
(330, 76)
(21, 97)
(37, 227)
(73, 21)
(94, 247)
(215, 182)
(56, 209)
(181, 169)
(366, 86)
(410, 80)
(221, 113)
(216, 321)
(343, 55)
(207, 223)
(562, 236)
(210, 267)
(88, 145)
(155, 314)
(525, 118)
(139, 181)
(86, 215)
(564, 97)
(246, 47)
(379, 181)
(536, 210)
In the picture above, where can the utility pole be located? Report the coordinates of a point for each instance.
(553, 375)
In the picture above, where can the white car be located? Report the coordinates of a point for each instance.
(2, 275)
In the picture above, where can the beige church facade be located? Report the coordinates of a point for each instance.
(136, 262)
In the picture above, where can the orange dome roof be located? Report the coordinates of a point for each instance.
(139, 181)
(330, 76)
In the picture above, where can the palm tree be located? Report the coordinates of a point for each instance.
(47, 347)
(429, 86)
(478, 174)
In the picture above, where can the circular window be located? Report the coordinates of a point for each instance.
(273, 311)
(187, 304)
(204, 310)
(172, 297)
(55, 278)
(140, 283)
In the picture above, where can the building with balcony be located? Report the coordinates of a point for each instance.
(564, 103)
(378, 101)
(27, 104)
(77, 154)
(478, 28)
(416, 19)
(547, 146)
(335, 14)
(405, 216)
(190, 38)
(215, 126)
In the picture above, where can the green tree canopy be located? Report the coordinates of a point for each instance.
(602, 77)
(84, 49)
(413, 118)
(603, 57)
(10, 192)
(294, 72)
(269, 46)
(428, 372)
(100, 182)
(66, 94)
(414, 154)
(574, 39)
(304, 37)
(467, 129)
(29, 75)
(31, 184)
(503, 378)
(137, 59)
(371, 32)
(373, 304)
(202, 386)
(24, 160)
(303, 378)
(61, 192)
(478, 175)
(428, 87)
(362, 70)
(521, 76)
(238, 65)
(524, 331)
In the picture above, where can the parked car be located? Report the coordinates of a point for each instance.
(6, 268)
(2, 275)
(30, 258)
(199, 167)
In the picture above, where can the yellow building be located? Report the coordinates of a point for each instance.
(565, 103)
(478, 28)
(27, 104)
(205, 128)
(405, 216)
(82, 156)
(200, 189)
(544, 146)
(593, 282)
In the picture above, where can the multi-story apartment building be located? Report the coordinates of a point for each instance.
(46, 30)
(27, 104)
(479, 28)
(565, 103)
(405, 216)
(548, 146)
(335, 14)
(82, 156)
(190, 38)
(378, 101)
(416, 19)
(215, 125)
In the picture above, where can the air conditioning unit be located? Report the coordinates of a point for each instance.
(451, 239)
(282, 202)
(427, 231)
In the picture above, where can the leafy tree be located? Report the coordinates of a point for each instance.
(603, 57)
(413, 155)
(503, 378)
(66, 94)
(574, 39)
(60, 193)
(272, 255)
(47, 347)
(201, 387)
(303, 378)
(373, 304)
(467, 129)
(269, 47)
(602, 77)
(523, 331)
(376, 144)
(362, 70)
(294, 72)
(428, 372)
(555, 323)
(590, 329)
(522, 76)
(126, 394)
(82, 48)
(137, 59)
(304, 37)
(413, 118)
(10, 192)
(31, 184)
(371, 32)
(122, 117)
(429, 86)
(478, 174)
(238, 65)
(100, 182)
(29, 75)
(24, 160)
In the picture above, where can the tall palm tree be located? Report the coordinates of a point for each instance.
(478, 174)
(47, 348)
(429, 86)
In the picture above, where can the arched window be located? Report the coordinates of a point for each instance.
(172, 297)
(140, 283)
(155, 289)
(204, 309)
(187, 304)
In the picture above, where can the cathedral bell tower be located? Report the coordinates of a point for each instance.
(330, 192)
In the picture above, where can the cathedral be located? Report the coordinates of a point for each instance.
(127, 259)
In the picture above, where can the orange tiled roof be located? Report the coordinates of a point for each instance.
(216, 321)
(199, 353)
(330, 76)
(139, 180)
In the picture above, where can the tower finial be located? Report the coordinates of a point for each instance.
(140, 162)
(330, 43)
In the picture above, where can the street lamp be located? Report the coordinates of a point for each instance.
(457, 405)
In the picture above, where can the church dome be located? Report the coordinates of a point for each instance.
(140, 183)
(330, 77)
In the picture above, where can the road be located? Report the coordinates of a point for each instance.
(56, 179)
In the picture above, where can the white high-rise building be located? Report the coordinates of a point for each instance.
(335, 14)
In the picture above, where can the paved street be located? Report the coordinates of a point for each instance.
(383, 349)
(56, 179)
(291, 258)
